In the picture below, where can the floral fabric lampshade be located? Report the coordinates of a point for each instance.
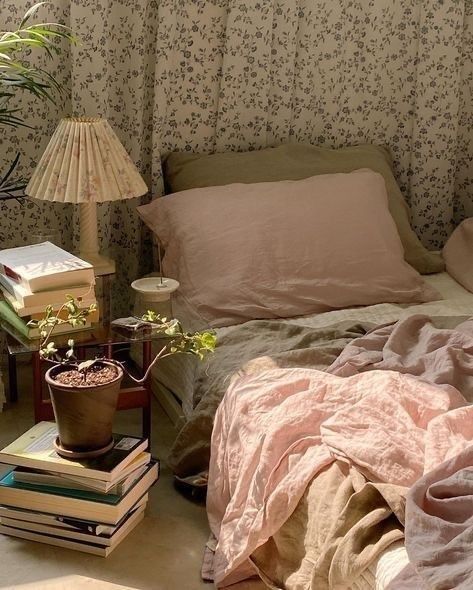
(85, 163)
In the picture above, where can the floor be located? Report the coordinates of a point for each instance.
(163, 553)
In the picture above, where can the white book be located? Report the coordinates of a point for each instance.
(35, 449)
(20, 296)
(25, 311)
(80, 483)
(77, 541)
(63, 522)
(106, 509)
(106, 487)
(45, 266)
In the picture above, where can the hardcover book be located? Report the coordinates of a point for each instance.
(46, 478)
(9, 317)
(22, 298)
(63, 522)
(42, 267)
(105, 508)
(35, 449)
(102, 546)
(36, 312)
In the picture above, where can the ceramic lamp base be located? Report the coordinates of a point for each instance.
(89, 241)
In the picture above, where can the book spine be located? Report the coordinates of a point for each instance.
(10, 273)
(9, 316)
(11, 287)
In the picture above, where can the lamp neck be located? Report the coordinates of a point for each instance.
(89, 238)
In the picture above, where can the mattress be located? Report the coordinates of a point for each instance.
(174, 379)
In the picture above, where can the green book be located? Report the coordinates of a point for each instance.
(12, 323)
(104, 508)
(9, 315)
(8, 480)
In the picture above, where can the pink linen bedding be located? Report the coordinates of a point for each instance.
(439, 523)
(457, 254)
(276, 430)
(284, 249)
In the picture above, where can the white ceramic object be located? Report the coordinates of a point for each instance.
(154, 289)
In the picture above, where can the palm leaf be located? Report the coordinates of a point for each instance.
(12, 189)
(15, 74)
(31, 11)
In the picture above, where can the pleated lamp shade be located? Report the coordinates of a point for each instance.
(85, 163)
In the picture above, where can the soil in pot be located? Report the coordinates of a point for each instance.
(96, 375)
(84, 405)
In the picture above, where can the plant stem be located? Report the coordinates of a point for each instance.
(161, 355)
(48, 336)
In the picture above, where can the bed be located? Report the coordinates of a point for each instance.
(259, 343)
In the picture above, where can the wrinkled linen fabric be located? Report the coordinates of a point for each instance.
(275, 431)
(313, 342)
(416, 346)
(439, 354)
(336, 226)
(439, 524)
(341, 524)
(457, 254)
(247, 349)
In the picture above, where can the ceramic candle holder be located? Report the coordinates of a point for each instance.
(154, 293)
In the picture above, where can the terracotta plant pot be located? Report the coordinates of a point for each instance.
(84, 414)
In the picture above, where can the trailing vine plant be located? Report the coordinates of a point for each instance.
(170, 333)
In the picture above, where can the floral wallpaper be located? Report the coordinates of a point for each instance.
(206, 75)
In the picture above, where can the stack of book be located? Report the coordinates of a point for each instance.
(33, 277)
(89, 506)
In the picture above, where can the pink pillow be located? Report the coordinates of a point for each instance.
(458, 254)
(282, 249)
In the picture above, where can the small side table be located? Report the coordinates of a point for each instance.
(107, 341)
(4, 362)
(103, 292)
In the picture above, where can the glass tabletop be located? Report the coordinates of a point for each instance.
(98, 335)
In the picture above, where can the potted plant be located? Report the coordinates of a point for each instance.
(84, 395)
(17, 74)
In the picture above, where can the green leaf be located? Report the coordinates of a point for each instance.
(15, 74)
(86, 365)
(31, 11)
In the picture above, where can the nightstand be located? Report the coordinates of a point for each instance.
(103, 293)
(101, 341)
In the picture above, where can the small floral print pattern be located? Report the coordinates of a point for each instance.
(219, 75)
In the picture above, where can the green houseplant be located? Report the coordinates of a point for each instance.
(17, 74)
(84, 395)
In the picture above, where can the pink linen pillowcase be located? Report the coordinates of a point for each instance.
(458, 254)
(284, 249)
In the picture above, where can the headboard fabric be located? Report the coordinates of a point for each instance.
(294, 162)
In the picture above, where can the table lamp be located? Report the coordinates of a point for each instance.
(85, 163)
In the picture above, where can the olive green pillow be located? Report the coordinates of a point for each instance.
(293, 162)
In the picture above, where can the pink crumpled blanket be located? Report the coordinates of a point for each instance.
(439, 523)
(275, 431)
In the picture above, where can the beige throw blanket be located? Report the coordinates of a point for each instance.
(343, 521)
(341, 524)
